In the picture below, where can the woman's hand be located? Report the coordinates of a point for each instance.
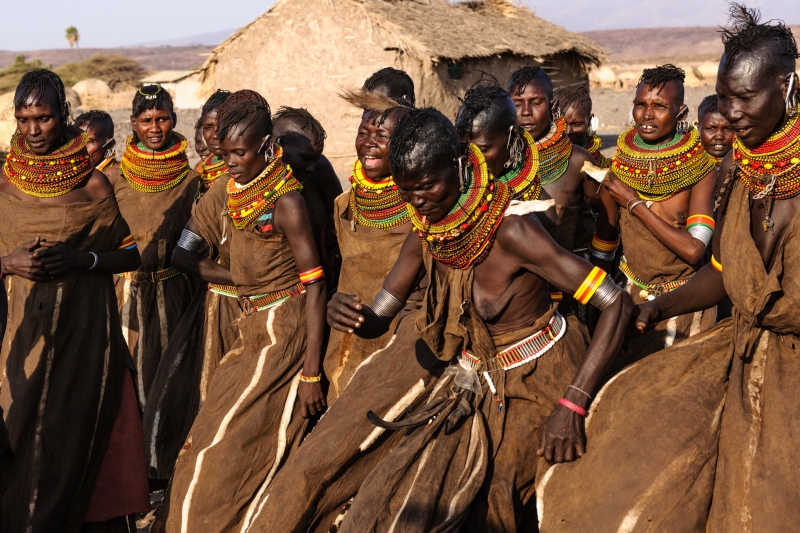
(621, 193)
(563, 436)
(344, 312)
(59, 259)
(312, 401)
(647, 315)
(25, 263)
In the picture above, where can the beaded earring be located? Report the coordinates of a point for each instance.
(684, 124)
(791, 103)
(516, 148)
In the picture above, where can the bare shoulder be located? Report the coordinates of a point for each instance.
(579, 156)
(520, 230)
(98, 186)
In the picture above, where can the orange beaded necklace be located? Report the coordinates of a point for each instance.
(155, 171)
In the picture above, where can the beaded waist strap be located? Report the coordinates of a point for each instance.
(224, 290)
(650, 291)
(252, 304)
(524, 351)
(151, 277)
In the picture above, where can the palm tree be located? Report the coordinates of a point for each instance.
(72, 39)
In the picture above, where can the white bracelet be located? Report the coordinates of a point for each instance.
(95, 261)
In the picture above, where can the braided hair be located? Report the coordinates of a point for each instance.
(747, 34)
(303, 119)
(529, 74)
(214, 101)
(710, 104)
(244, 115)
(659, 76)
(152, 97)
(489, 99)
(573, 96)
(35, 84)
(100, 119)
(396, 84)
(245, 95)
(424, 140)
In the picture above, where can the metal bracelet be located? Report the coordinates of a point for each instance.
(629, 203)
(190, 241)
(581, 391)
(702, 234)
(606, 294)
(631, 208)
(603, 256)
(95, 260)
(385, 305)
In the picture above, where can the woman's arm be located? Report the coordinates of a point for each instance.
(189, 256)
(292, 219)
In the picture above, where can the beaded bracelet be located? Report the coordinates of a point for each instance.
(312, 276)
(572, 406)
(310, 379)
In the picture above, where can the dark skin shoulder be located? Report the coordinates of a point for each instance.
(574, 186)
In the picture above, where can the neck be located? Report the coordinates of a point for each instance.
(546, 131)
(661, 140)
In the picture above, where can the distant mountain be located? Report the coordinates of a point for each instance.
(204, 39)
(152, 58)
(588, 15)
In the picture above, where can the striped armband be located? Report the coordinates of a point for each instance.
(701, 227)
(190, 241)
(312, 276)
(386, 306)
(128, 243)
(598, 289)
(603, 250)
(716, 264)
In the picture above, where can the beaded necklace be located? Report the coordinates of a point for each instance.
(555, 149)
(464, 237)
(593, 144)
(155, 171)
(717, 161)
(211, 169)
(772, 169)
(523, 179)
(376, 204)
(659, 172)
(49, 175)
(248, 203)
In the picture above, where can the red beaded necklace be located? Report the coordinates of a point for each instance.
(49, 175)
(523, 179)
(376, 204)
(212, 168)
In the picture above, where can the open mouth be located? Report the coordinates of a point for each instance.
(647, 128)
(371, 162)
(718, 147)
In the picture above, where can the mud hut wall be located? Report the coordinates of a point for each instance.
(301, 54)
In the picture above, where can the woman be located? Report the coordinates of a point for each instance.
(155, 189)
(261, 393)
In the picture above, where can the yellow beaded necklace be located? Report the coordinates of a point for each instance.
(376, 204)
(523, 179)
(155, 171)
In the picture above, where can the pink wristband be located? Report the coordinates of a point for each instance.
(572, 406)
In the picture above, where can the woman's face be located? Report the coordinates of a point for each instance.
(243, 154)
(208, 124)
(431, 193)
(372, 144)
(154, 127)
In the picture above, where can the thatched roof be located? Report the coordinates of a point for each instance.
(439, 30)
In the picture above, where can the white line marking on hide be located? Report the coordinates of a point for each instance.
(672, 330)
(423, 459)
(393, 413)
(226, 421)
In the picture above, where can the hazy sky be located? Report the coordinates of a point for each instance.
(41, 23)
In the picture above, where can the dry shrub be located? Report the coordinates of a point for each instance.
(118, 71)
(10, 76)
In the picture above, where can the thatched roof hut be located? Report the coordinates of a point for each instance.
(301, 53)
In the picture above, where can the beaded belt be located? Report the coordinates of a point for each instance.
(151, 277)
(252, 304)
(650, 291)
(526, 350)
(224, 290)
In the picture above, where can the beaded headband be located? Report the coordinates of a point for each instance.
(151, 96)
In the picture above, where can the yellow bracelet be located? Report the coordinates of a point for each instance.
(310, 379)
